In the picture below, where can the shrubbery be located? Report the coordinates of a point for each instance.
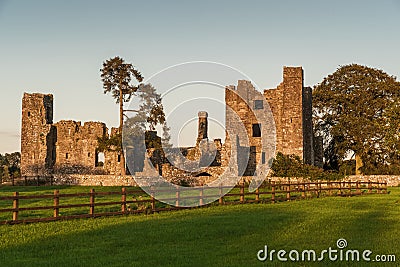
(9, 166)
(293, 166)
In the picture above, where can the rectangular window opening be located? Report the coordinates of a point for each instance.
(257, 130)
(258, 104)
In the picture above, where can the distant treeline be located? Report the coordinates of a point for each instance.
(10, 166)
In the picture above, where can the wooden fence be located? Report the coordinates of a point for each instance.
(271, 192)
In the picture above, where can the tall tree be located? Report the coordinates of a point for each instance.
(116, 76)
(356, 111)
(148, 115)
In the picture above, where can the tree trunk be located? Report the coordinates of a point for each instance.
(121, 125)
(359, 164)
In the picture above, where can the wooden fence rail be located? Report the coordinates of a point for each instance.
(268, 193)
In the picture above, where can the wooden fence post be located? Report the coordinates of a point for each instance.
(329, 185)
(340, 188)
(358, 190)
(273, 191)
(350, 185)
(123, 200)
(257, 195)
(153, 200)
(177, 195)
(92, 195)
(320, 187)
(201, 197)
(369, 187)
(303, 189)
(221, 197)
(288, 191)
(56, 204)
(15, 206)
(242, 192)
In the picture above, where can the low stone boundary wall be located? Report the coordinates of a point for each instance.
(128, 180)
(93, 180)
(392, 180)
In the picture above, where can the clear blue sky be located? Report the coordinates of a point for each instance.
(58, 46)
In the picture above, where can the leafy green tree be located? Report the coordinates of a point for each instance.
(139, 130)
(356, 110)
(10, 166)
(14, 163)
(116, 76)
(149, 114)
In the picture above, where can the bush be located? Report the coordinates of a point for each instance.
(292, 166)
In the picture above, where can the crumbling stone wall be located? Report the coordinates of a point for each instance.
(291, 104)
(112, 158)
(49, 148)
(237, 100)
(37, 135)
(76, 146)
(286, 103)
(208, 155)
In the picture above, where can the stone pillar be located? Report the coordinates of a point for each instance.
(203, 126)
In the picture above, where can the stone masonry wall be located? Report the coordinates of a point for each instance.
(112, 180)
(64, 147)
(286, 103)
(37, 134)
(76, 145)
(93, 180)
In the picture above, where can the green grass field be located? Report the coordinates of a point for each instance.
(213, 236)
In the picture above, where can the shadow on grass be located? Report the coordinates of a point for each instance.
(209, 237)
(216, 236)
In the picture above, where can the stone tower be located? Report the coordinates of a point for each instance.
(37, 135)
(202, 127)
(291, 105)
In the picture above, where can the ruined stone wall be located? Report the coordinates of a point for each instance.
(76, 146)
(308, 133)
(238, 100)
(112, 159)
(37, 135)
(179, 176)
(286, 102)
(318, 151)
(63, 147)
(248, 105)
(93, 180)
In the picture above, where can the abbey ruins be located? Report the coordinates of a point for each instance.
(70, 147)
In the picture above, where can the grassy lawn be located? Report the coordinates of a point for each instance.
(214, 236)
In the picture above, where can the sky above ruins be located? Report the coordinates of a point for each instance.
(58, 47)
